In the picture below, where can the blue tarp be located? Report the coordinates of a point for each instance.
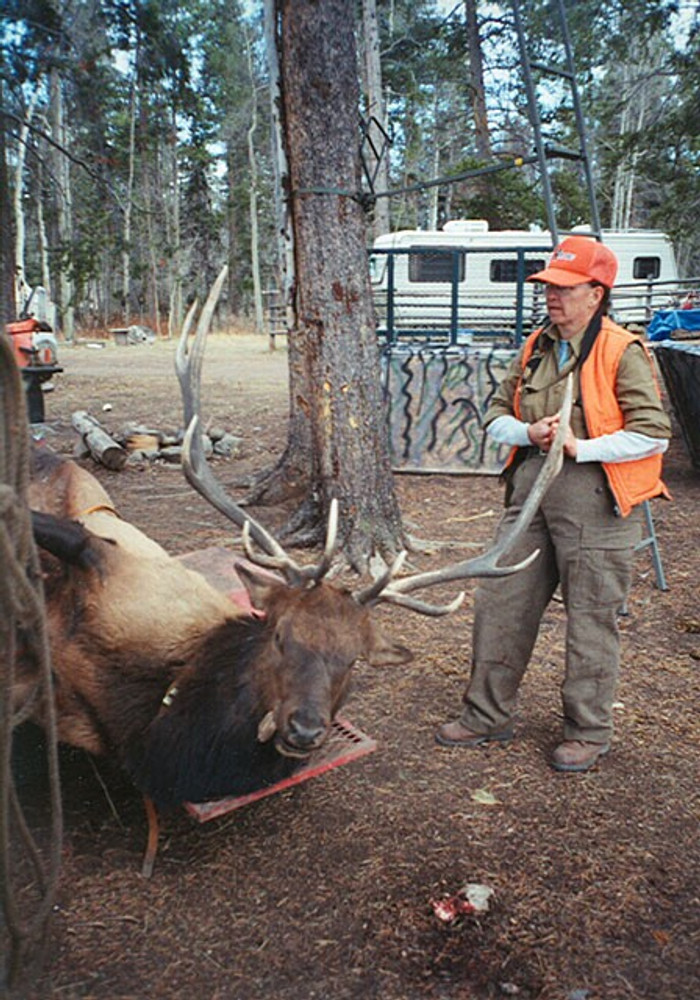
(666, 321)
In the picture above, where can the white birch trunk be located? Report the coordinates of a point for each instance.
(152, 257)
(43, 246)
(253, 200)
(21, 285)
(285, 239)
(434, 192)
(376, 110)
(175, 313)
(64, 211)
(126, 257)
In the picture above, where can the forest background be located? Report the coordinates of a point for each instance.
(139, 148)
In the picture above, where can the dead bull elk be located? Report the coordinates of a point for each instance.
(196, 698)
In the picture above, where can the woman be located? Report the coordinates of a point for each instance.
(589, 522)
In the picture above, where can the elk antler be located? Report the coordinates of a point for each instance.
(394, 591)
(189, 369)
(188, 365)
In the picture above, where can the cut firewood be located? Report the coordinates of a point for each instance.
(103, 448)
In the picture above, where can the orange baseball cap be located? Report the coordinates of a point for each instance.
(579, 259)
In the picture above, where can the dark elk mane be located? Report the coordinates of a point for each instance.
(204, 744)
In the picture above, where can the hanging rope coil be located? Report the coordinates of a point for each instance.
(26, 872)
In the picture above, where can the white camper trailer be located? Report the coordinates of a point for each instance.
(470, 280)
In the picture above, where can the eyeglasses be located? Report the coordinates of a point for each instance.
(565, 290)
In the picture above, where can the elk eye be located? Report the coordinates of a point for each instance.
(278, 640)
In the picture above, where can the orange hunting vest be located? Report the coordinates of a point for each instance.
(630, 482)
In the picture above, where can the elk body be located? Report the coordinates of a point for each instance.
(196, 698)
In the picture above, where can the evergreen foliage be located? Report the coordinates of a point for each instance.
(158, 98)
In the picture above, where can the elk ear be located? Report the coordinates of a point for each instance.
(259, 585)
(384, 652)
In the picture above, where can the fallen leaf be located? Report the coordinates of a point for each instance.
(484, 797)
(478, 896)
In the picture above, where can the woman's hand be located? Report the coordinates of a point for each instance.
(542, 434)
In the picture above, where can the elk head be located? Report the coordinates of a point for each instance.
(317, 630)
(316, 633)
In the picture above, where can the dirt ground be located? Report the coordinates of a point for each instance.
(323, 891)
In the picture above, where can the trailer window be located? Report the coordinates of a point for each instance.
(646, 268)
(507, 270)
(377, 266)
(435, 266)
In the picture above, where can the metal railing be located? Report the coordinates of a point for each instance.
(638, 301)
(452, 309)
(460, 307)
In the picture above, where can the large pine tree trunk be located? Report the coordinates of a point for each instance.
(335, 322)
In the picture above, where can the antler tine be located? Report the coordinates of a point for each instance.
(378, 591)
(317, 572)
(486, 564)
(188, 365)
(200, 476)
(375, 588)
(423, 608)
(189, 386)
(282, 562)
(313, 573)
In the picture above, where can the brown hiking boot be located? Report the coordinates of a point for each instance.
(454, 734)
(577, 755)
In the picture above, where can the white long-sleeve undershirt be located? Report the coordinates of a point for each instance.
(620, 446)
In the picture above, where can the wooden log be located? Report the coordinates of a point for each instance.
(102, 447)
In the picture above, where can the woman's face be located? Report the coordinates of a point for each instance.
(572, 307)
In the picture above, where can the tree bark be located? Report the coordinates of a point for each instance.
(335, 322)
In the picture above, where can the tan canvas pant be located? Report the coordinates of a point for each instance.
(589, 551)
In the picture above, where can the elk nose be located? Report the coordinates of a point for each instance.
(306, 729)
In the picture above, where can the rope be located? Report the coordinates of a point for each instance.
(25, 872)
(107, 507)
